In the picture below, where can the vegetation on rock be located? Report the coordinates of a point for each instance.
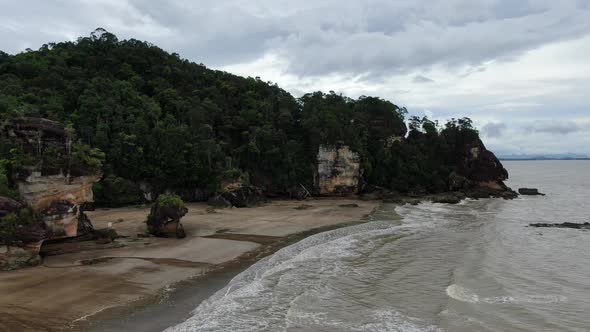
(22, 227)
(143, 115)
(165, 211)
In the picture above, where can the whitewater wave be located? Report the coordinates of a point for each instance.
(275, 293)
(466, 295)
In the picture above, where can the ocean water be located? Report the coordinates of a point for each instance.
(475, 266)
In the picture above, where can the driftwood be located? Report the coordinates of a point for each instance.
(307, 194)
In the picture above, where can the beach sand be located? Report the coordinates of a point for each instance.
(87, 279)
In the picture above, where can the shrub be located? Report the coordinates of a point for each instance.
(24, 227)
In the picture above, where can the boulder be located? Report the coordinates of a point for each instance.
(529, 191)
(165, 215)
(448, 198)
(12, 258)
(243, 196)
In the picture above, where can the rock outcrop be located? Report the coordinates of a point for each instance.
(480, 173)
(47, 187)
(481, 165)
(165, 215)
(243, 196)
(60, 201)
(530, 192)
(44, 185)
(338, 170)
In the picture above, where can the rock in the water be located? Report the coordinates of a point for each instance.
(529, 191)
(563, 225)
(450, 198)
(243, 196)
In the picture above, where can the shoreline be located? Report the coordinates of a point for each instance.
(135, 316)
(76, 290)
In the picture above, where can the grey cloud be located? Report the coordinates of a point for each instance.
(493, 129)
(374, 38)
(554, 127)
(422, 79)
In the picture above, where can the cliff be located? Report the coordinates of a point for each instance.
(338, 170)
(46, 186)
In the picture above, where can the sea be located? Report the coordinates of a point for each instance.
(475, 266)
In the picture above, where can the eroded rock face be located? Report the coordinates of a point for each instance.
(59, 200)
(338, 171)
(45, 188)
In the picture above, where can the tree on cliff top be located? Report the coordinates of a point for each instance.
(177, 125)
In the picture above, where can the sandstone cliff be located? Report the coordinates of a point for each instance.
(47, 186)
(338, 170)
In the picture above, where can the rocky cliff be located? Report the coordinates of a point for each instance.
(48, 185)
(45, 185)
(338, 170)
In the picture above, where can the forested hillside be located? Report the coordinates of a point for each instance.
(173, 124)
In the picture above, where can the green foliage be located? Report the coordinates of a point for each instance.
(166, 208)
(21, 228)
(85, 160)
(177, 125)
(6, 188)
(113, 191)
(173, 201)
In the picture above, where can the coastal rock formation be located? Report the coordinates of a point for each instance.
(49, 186)
(56, 192)
(481, 165)
(243, 196)
(165, 215)
(59, 200)
(480, 173)
(530, 192)
(12, 257)
(338, 170)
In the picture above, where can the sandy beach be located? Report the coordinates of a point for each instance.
(80, 280)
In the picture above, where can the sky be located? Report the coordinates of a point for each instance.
(519, 68)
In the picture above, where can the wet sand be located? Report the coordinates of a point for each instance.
(133, 272)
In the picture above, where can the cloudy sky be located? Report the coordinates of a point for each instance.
(519, 68)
